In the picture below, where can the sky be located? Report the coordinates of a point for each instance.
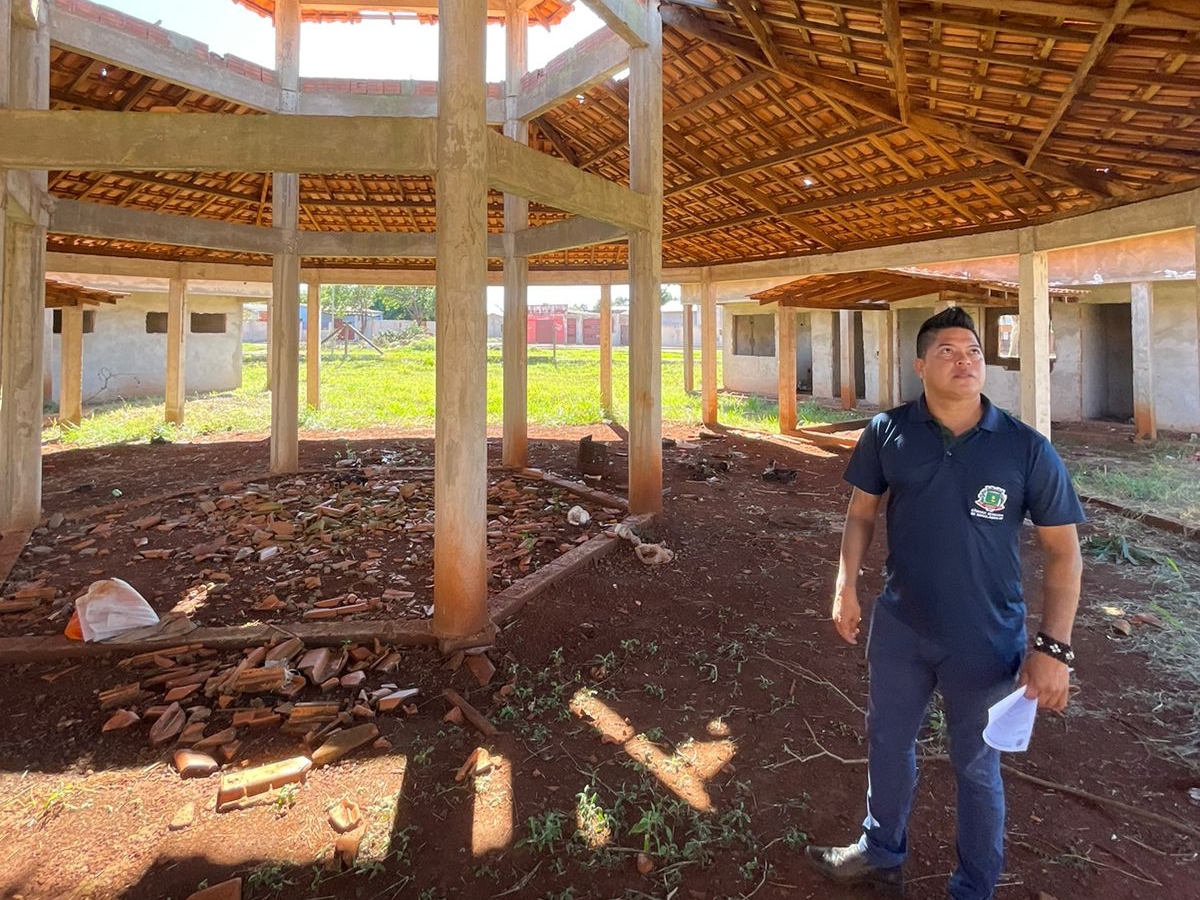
(369, 49)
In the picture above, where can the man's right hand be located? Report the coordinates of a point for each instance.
(847, 614)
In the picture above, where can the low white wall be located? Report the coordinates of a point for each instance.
(749, 374)
(120, 360)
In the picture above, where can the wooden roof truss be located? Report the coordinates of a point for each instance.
(790, 127)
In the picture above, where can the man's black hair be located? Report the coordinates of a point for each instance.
(951, 317)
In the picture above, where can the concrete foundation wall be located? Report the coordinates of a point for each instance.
(749, 374)
(120, 360)
(1176, 360)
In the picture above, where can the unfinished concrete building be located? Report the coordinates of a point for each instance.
(752, 144)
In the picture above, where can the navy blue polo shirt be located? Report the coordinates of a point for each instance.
(954, 514)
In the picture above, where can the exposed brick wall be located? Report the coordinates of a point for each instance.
(161, 37)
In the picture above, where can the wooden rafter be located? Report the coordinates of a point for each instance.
(762, 37)
(1081, 76)
(876, 103)
(890, 13)
(556, 139)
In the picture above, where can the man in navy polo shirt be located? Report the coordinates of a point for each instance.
(961, 476)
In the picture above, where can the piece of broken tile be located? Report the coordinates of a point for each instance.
(391, 701)
(481, 667)
(167, 726)
(122, 718)
(345, 848)
(344, 816)
(192, 732)
(216, 740)
(249, 782)
(193, 764)
(344, 742)
(226, 890)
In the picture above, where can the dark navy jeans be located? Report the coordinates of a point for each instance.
(904, 670)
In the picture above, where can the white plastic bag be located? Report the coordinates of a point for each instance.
(578, 516)
(111, 607)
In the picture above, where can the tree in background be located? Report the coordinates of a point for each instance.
(392, 301)
(665, 296)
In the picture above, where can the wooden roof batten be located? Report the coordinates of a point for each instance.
(793, 129)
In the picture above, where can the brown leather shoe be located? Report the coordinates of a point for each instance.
(849, 865)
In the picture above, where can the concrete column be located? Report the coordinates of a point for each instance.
(1141, 306)
(606, 326)
(690, 293)
(708, 350)
(849, 389)
(515, 445)
(5, 54)
(1034, 312)
(25, 84)
(885, 342)
(460, 452)
(283, 346)
(1196, 268)
(22, 319)
(312, 346)
(785, 356)
(645, 272)
(176, 350)
(822, 353)
(70, 365)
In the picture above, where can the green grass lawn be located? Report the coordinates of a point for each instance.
(396, 390)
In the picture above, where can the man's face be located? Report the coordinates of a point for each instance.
(953, 366)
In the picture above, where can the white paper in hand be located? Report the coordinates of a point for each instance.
(1010, 722)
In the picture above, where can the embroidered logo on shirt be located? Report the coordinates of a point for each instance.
(989, 503)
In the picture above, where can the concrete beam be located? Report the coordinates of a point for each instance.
(1152, 216)
(91, 38)
(114, 223)
(113, 142)
(572, 72)
(516, 169)
(627, 18)
(576, 231)
(87, 264)
(407, 104)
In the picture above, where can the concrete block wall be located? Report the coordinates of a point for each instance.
(120, 360)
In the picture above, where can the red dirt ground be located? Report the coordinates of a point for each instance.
(690, 702)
